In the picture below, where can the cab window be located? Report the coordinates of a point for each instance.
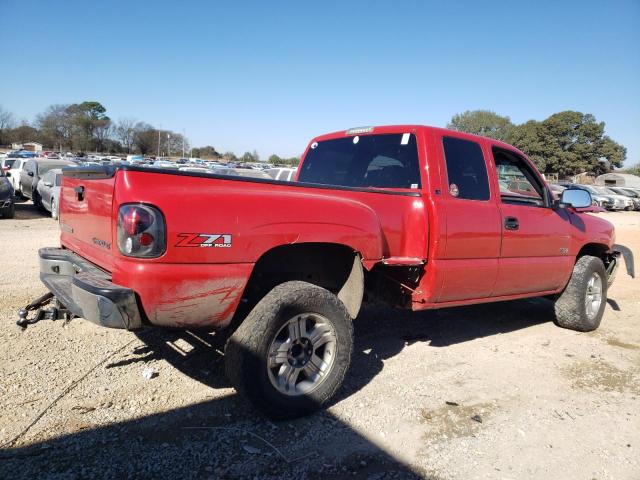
(466, 169)
(518, 182)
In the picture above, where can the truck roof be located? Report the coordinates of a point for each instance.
(382, 129)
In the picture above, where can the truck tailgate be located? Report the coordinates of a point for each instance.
(86, 215)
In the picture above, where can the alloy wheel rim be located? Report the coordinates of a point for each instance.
(302, 354)
(593, 297)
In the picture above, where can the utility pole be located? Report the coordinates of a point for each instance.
(183, 143)
(159, 141)
(168, 145)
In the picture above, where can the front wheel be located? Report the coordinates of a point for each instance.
(291, 354)
(581, 306)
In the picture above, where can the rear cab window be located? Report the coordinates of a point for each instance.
(365, 161)
(466, 169)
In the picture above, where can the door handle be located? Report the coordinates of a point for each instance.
(511, 223)
(79, 192)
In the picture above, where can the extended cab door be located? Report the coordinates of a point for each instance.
(468, 263)
(534, 256)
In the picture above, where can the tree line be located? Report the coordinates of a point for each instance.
(566, 143)
(86, 127)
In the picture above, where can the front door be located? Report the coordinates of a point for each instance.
(534, 256)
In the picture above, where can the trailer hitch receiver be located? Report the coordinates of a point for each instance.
(55, 312)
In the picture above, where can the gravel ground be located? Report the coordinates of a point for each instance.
(492, 391)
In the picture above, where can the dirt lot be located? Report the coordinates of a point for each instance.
(548, 403)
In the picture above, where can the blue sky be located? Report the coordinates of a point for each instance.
(270, 75)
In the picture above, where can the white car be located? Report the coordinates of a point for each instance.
(621, 202)
(14, 173)
(49, 191)
(7, 163)
(195, 169)
(164, 164)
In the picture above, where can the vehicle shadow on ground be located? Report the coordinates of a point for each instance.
(225, 438)
(220, 438)
(380, 333)
(26, 210)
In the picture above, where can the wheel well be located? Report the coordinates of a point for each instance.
(334, 267)
(595, 250)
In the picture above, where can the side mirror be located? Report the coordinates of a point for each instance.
(576, 198)
(30, 174)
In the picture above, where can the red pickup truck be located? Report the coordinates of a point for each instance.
(417, 217)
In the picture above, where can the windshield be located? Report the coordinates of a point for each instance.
(378, 161)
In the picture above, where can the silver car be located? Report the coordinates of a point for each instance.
(49, 191)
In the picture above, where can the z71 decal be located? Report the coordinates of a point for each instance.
(214, 240)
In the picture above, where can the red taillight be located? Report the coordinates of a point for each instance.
(141, 231)
(135, 220)
(146, 239)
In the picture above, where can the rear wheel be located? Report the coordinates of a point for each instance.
(581, 306)
(291, 354)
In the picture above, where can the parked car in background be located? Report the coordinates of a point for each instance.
(33, 170)
(196, 169)
(604, 201)
(21, 154)
(242, 172)
(634, 196)
(282, 174)
(13, 174)
(7, 200)
(627, 202)
(164, 164)
(6, 163)
(49, 191)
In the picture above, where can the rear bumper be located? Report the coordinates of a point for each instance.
(87, 291)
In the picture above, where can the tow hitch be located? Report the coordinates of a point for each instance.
(55, 312)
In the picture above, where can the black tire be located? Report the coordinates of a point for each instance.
(571, 305)
(9, 212)
(246, 352)
(37, 201)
